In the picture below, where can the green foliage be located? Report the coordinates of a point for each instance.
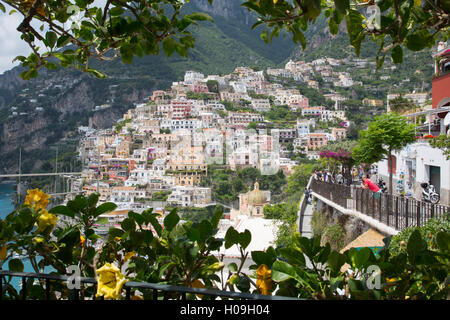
(386, 133)
(401, 105)
(335, 236)
(319, 223)
(185, 255)
(442, 142)
(429, 232)
(421, 24)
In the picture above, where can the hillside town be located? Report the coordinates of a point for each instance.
(164, 145)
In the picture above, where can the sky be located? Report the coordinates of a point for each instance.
(10, 43)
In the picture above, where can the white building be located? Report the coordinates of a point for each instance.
(416, 164)
(189, 196)
(190, 77)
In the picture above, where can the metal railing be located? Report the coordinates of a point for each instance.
(395, 211)
(159, 291)
(337, 193)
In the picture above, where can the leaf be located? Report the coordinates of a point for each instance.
(216, 218)
(102, 220)
(231, 237)
(342, 5)
(63, 210)
(233, 267)
(414, 246)
(335, 261)
(293, 256)
(243, 285)
(171, 220)
(62, 41)
(51, 38)
(359, 257)
(169, 45)
(282, 271)
(418, 40)
(245, 238)
(205, 229)
(96, 73)
(261, 257)
(156, 225)
(105, 208)
(51, 65)
(200, 16)
(443, 241)
(116, 11)
(128, 224)
(193, 234)
(397, 54)
(137, 217)
(15, 265)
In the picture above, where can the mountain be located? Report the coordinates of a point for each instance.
(36, 114)
(42, 113)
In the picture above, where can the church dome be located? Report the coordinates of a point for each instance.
(256, 196)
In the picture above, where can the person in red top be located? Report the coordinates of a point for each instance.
(368, 184)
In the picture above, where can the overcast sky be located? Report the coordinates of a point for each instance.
(10, 43)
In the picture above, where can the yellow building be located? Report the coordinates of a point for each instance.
(252, 203)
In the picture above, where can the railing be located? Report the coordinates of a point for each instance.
(394, 211)
(337, 193)
(158, 291)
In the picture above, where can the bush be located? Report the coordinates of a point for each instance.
(335, 236)
(319, 223)
(428, 232)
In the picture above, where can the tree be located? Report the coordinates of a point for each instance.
(213, 86)
(342, 153)
(138, 27)
(73, 32)
(393, 24)
(442, 142)
(401, 105)
(386, 133)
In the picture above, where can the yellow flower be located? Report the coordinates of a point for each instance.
(109, 281)
(264, 279)
(37, 198)
(3, 252)
(46, 220)
(82, 239)
(129, 255)
(275, 1)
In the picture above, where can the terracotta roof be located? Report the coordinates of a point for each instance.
(370, 238)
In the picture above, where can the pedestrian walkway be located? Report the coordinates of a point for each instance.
(305, 222)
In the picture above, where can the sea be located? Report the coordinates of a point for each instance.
(6, 207)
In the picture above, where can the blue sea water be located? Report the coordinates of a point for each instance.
(6, 207)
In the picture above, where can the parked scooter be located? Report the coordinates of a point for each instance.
(429, 193)
(382, 185)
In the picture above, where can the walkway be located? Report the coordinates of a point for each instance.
(305, 223)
